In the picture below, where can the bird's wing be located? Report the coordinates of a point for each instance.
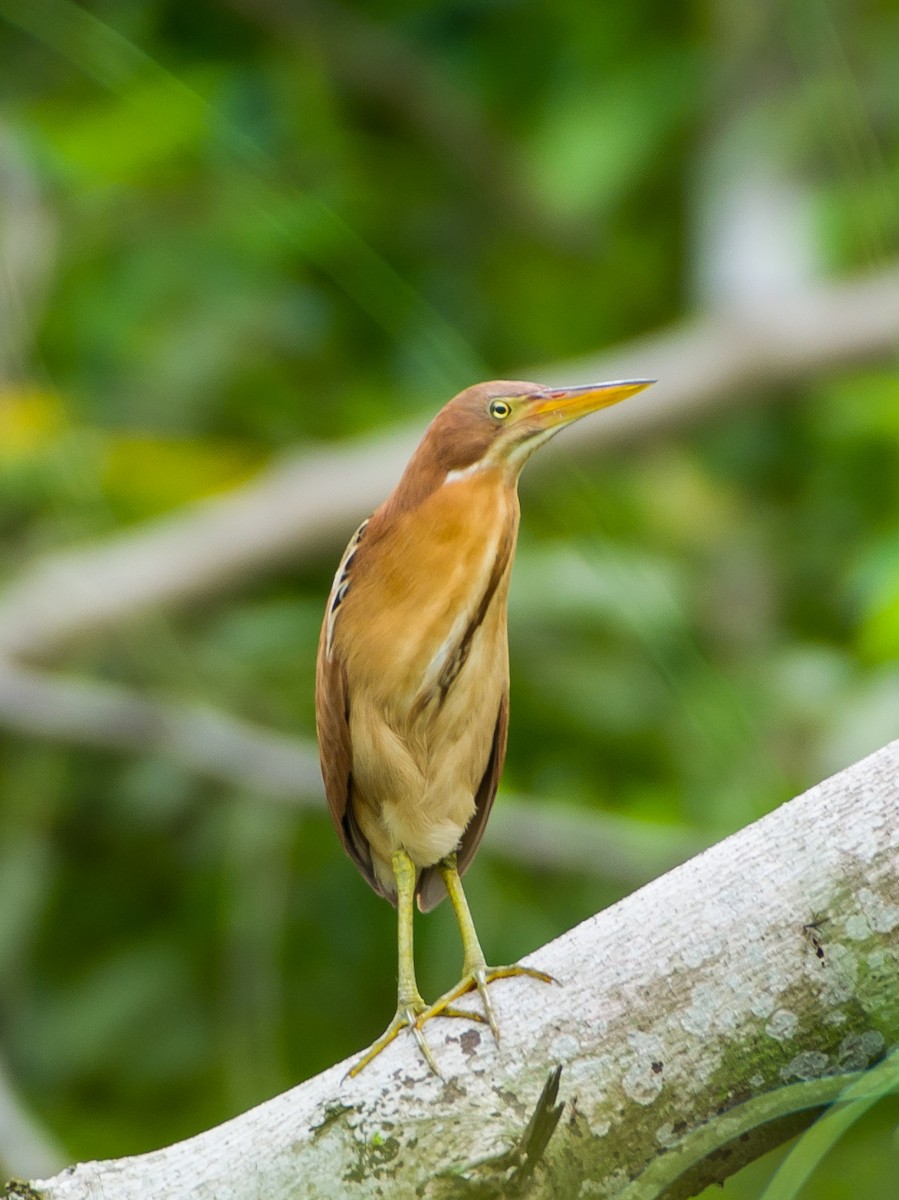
(332, 721)
(335, 751)
(332, 715)
(431, 889)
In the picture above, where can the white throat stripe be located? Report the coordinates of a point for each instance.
(464, 473)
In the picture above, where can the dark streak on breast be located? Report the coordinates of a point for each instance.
(459, 657)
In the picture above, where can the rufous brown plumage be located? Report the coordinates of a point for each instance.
(412, 687)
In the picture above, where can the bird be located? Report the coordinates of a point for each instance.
(412, 672)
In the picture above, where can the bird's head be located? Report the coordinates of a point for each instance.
(497, 426)
(500, 424)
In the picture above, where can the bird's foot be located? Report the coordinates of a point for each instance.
(409, 1014)
(478, 976)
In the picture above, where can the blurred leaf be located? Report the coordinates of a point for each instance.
(147, 475)
(611, 586)
(805, 1157)
(876, 588)
(132, 1004)
(597, 136)
(29, 420)
(861, 408)
(127, 140)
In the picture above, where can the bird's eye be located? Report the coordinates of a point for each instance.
(499, 409)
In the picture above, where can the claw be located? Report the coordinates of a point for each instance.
(410, 1015)
(478, 977)
(406, 1015)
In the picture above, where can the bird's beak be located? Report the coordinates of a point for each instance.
(560, 406)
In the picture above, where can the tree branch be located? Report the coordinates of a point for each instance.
(314, 499)
(111, 717)
(285, 769)
(25, 1147)
(696, 1016)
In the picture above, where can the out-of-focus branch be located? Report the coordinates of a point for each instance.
(25, 1148)
(27, 251)
(314, 499)
(112, 717)
(562, 837)
(274, 766)
(742, 352)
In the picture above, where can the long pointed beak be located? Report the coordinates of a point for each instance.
(560, 406)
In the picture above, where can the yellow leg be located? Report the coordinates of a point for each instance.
(409, 1004)
(475, 972)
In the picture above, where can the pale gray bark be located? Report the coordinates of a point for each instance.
(314, 500)
(689, 1014)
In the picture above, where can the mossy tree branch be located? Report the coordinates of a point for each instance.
(699, 1023)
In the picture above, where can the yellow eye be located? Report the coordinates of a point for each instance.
(499, 409)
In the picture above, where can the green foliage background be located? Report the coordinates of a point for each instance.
(269, 224)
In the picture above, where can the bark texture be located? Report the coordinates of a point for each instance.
(698, 1023)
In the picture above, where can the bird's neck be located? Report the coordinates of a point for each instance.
(427, 472)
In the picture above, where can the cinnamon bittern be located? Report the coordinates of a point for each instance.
(412, 681)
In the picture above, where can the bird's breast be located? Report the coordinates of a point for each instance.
(429, 591)
(417, 619)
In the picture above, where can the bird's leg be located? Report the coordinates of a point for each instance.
(475, 972)
(409, 1004)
